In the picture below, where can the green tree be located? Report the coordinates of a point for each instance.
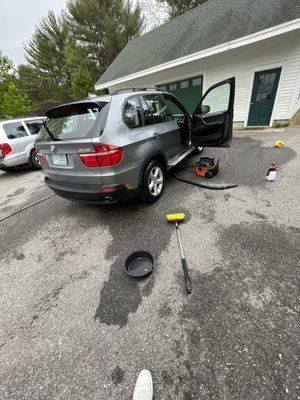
(101, 28)
(5, 70)
(6, 66)
(46, 78)
(82, 83)
(68, 53)
(13, 103)
(178, 7)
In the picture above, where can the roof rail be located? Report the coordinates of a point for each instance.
(137, 89)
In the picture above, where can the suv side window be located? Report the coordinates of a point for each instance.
(155, 110)
(173, 108)
(132, 113)
(14, 130)
(34, 126)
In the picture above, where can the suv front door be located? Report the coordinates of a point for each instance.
(212, 121)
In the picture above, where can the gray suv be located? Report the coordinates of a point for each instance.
(118, 146)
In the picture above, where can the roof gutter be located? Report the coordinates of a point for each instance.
(233, 44)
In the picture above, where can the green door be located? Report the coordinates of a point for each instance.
(188, 91)
(263, 97)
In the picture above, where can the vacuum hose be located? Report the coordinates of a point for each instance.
(202, 185)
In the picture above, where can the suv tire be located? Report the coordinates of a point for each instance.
(34, 160)
(153, 182)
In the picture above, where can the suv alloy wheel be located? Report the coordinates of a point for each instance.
(153, 182)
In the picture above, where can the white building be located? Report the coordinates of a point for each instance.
(257, 41)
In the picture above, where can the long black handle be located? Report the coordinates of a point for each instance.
(186, 276)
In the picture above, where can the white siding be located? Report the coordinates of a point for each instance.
(282, 51)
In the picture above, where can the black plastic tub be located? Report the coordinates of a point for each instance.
(139, 264)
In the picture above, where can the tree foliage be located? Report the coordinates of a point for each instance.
(102, 28)
(82, 83)
(68, 53)
(46, 78)
(6, 67)
(178, 7)
(13, 103)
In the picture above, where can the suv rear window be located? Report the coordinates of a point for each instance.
(34, 126)
(14, 130)
(74, 121)
(132, 113)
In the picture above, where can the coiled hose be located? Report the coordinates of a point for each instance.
(202, 185)
(210, 187)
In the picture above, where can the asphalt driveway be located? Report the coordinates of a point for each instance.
(73, 326)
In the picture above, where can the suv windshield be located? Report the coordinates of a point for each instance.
(74, 121)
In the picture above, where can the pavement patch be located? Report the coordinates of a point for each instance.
(120, 294)
(243, 317)
(16, 192)
(117, 375)
(247, 164)
(234, 338)
(256, 214)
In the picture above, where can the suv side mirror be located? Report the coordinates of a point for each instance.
(205, 109)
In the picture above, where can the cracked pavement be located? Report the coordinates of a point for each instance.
(74, 326)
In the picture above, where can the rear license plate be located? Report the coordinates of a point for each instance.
(59, 159)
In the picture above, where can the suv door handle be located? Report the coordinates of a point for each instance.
(155, 135)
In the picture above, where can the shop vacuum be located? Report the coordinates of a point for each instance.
(206, 167)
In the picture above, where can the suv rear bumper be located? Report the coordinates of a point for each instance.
(91, 194)
(10, 162)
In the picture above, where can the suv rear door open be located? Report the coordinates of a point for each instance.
(213, 118)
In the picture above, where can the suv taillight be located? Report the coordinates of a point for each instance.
(106, 155)
(5, 149)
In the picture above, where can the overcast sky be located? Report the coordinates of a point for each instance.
(17, 22)
(19, 17)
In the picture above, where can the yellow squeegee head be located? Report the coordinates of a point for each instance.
(175, 217)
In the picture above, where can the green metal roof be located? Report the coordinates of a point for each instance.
(206, 26)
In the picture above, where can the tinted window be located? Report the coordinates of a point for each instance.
(173, 107)
(14, 130)
(34, 126)
(132, 113)
(74, 121)
(155, 110)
